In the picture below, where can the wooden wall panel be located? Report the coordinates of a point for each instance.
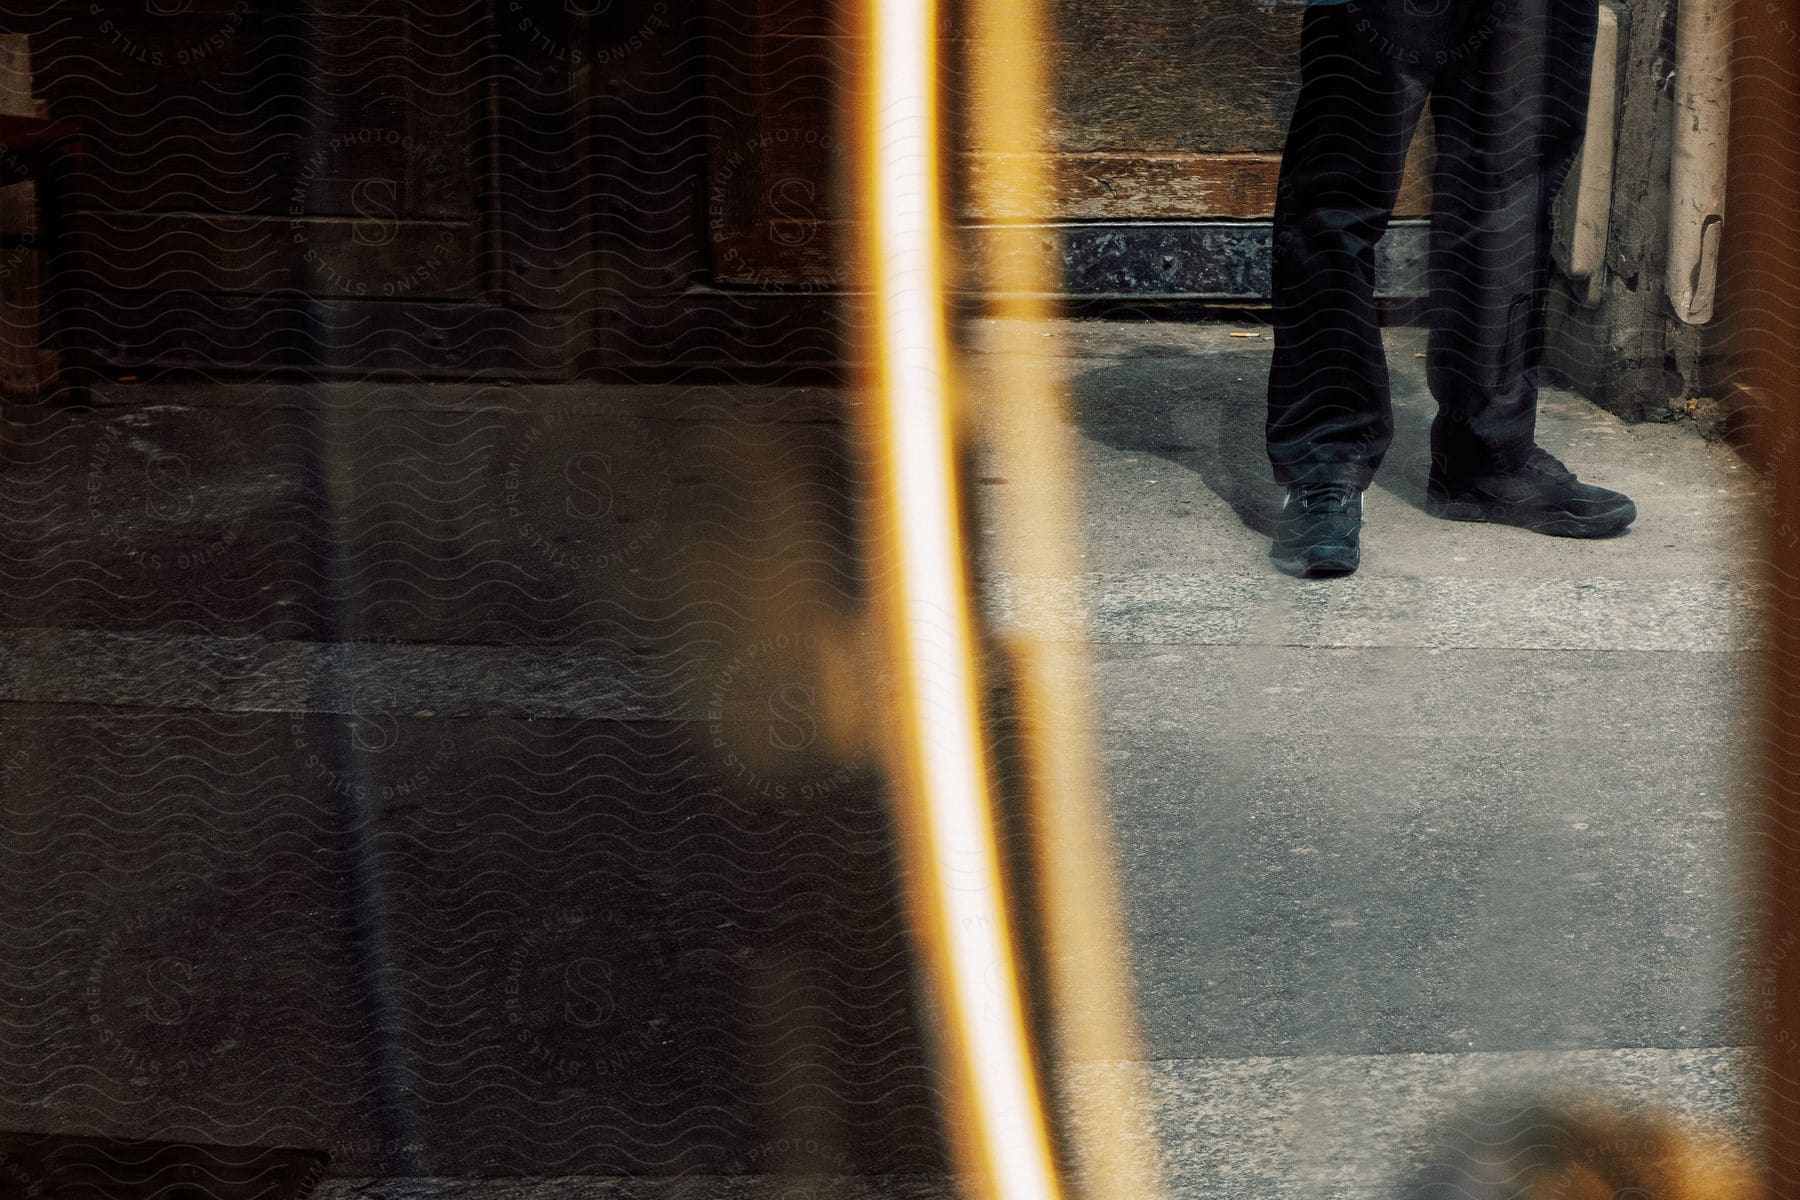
(249, 255)
(26, 366)
(1210, 76)
(260, 156)
(1164, 110)
(262, 110)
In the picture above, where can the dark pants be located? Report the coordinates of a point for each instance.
(1507, 81)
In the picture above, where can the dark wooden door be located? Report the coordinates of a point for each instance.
(316, 185)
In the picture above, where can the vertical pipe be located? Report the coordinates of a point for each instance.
(1697, 162)
(1594, 185)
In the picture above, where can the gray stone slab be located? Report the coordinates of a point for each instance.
(688, 1187)
(1367, 894)
(1373, 609)
(1639, 700)
(1260, 1128)
(1352, 1127)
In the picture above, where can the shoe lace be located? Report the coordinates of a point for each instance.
(1546, 463)
(1327, 495)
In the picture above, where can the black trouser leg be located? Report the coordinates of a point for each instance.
(1508, 112)
(1508, 84)
(1366, 67)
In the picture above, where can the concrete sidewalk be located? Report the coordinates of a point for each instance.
(1464, 823)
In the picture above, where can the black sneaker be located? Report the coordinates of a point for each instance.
(1541, 495)
(1320, 527)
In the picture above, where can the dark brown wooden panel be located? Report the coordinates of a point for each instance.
(1160, 111)
(338, 150)
(1216, 76)
(210, 331)
(321, 256)
(1132, 186)
(543, 175)
(1140, 186)
(255, 111)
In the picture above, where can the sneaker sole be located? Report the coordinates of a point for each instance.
(1550, 524)
(1330, 566)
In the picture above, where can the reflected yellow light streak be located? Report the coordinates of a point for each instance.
(941, 776)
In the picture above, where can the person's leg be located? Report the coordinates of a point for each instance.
(1509, 114)
(1508, 111)
(1366, 68)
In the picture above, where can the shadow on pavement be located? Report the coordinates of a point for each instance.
(1202, 410)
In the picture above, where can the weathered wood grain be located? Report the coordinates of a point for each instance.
(26, 365)
(321, 256)
(1159, 111)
